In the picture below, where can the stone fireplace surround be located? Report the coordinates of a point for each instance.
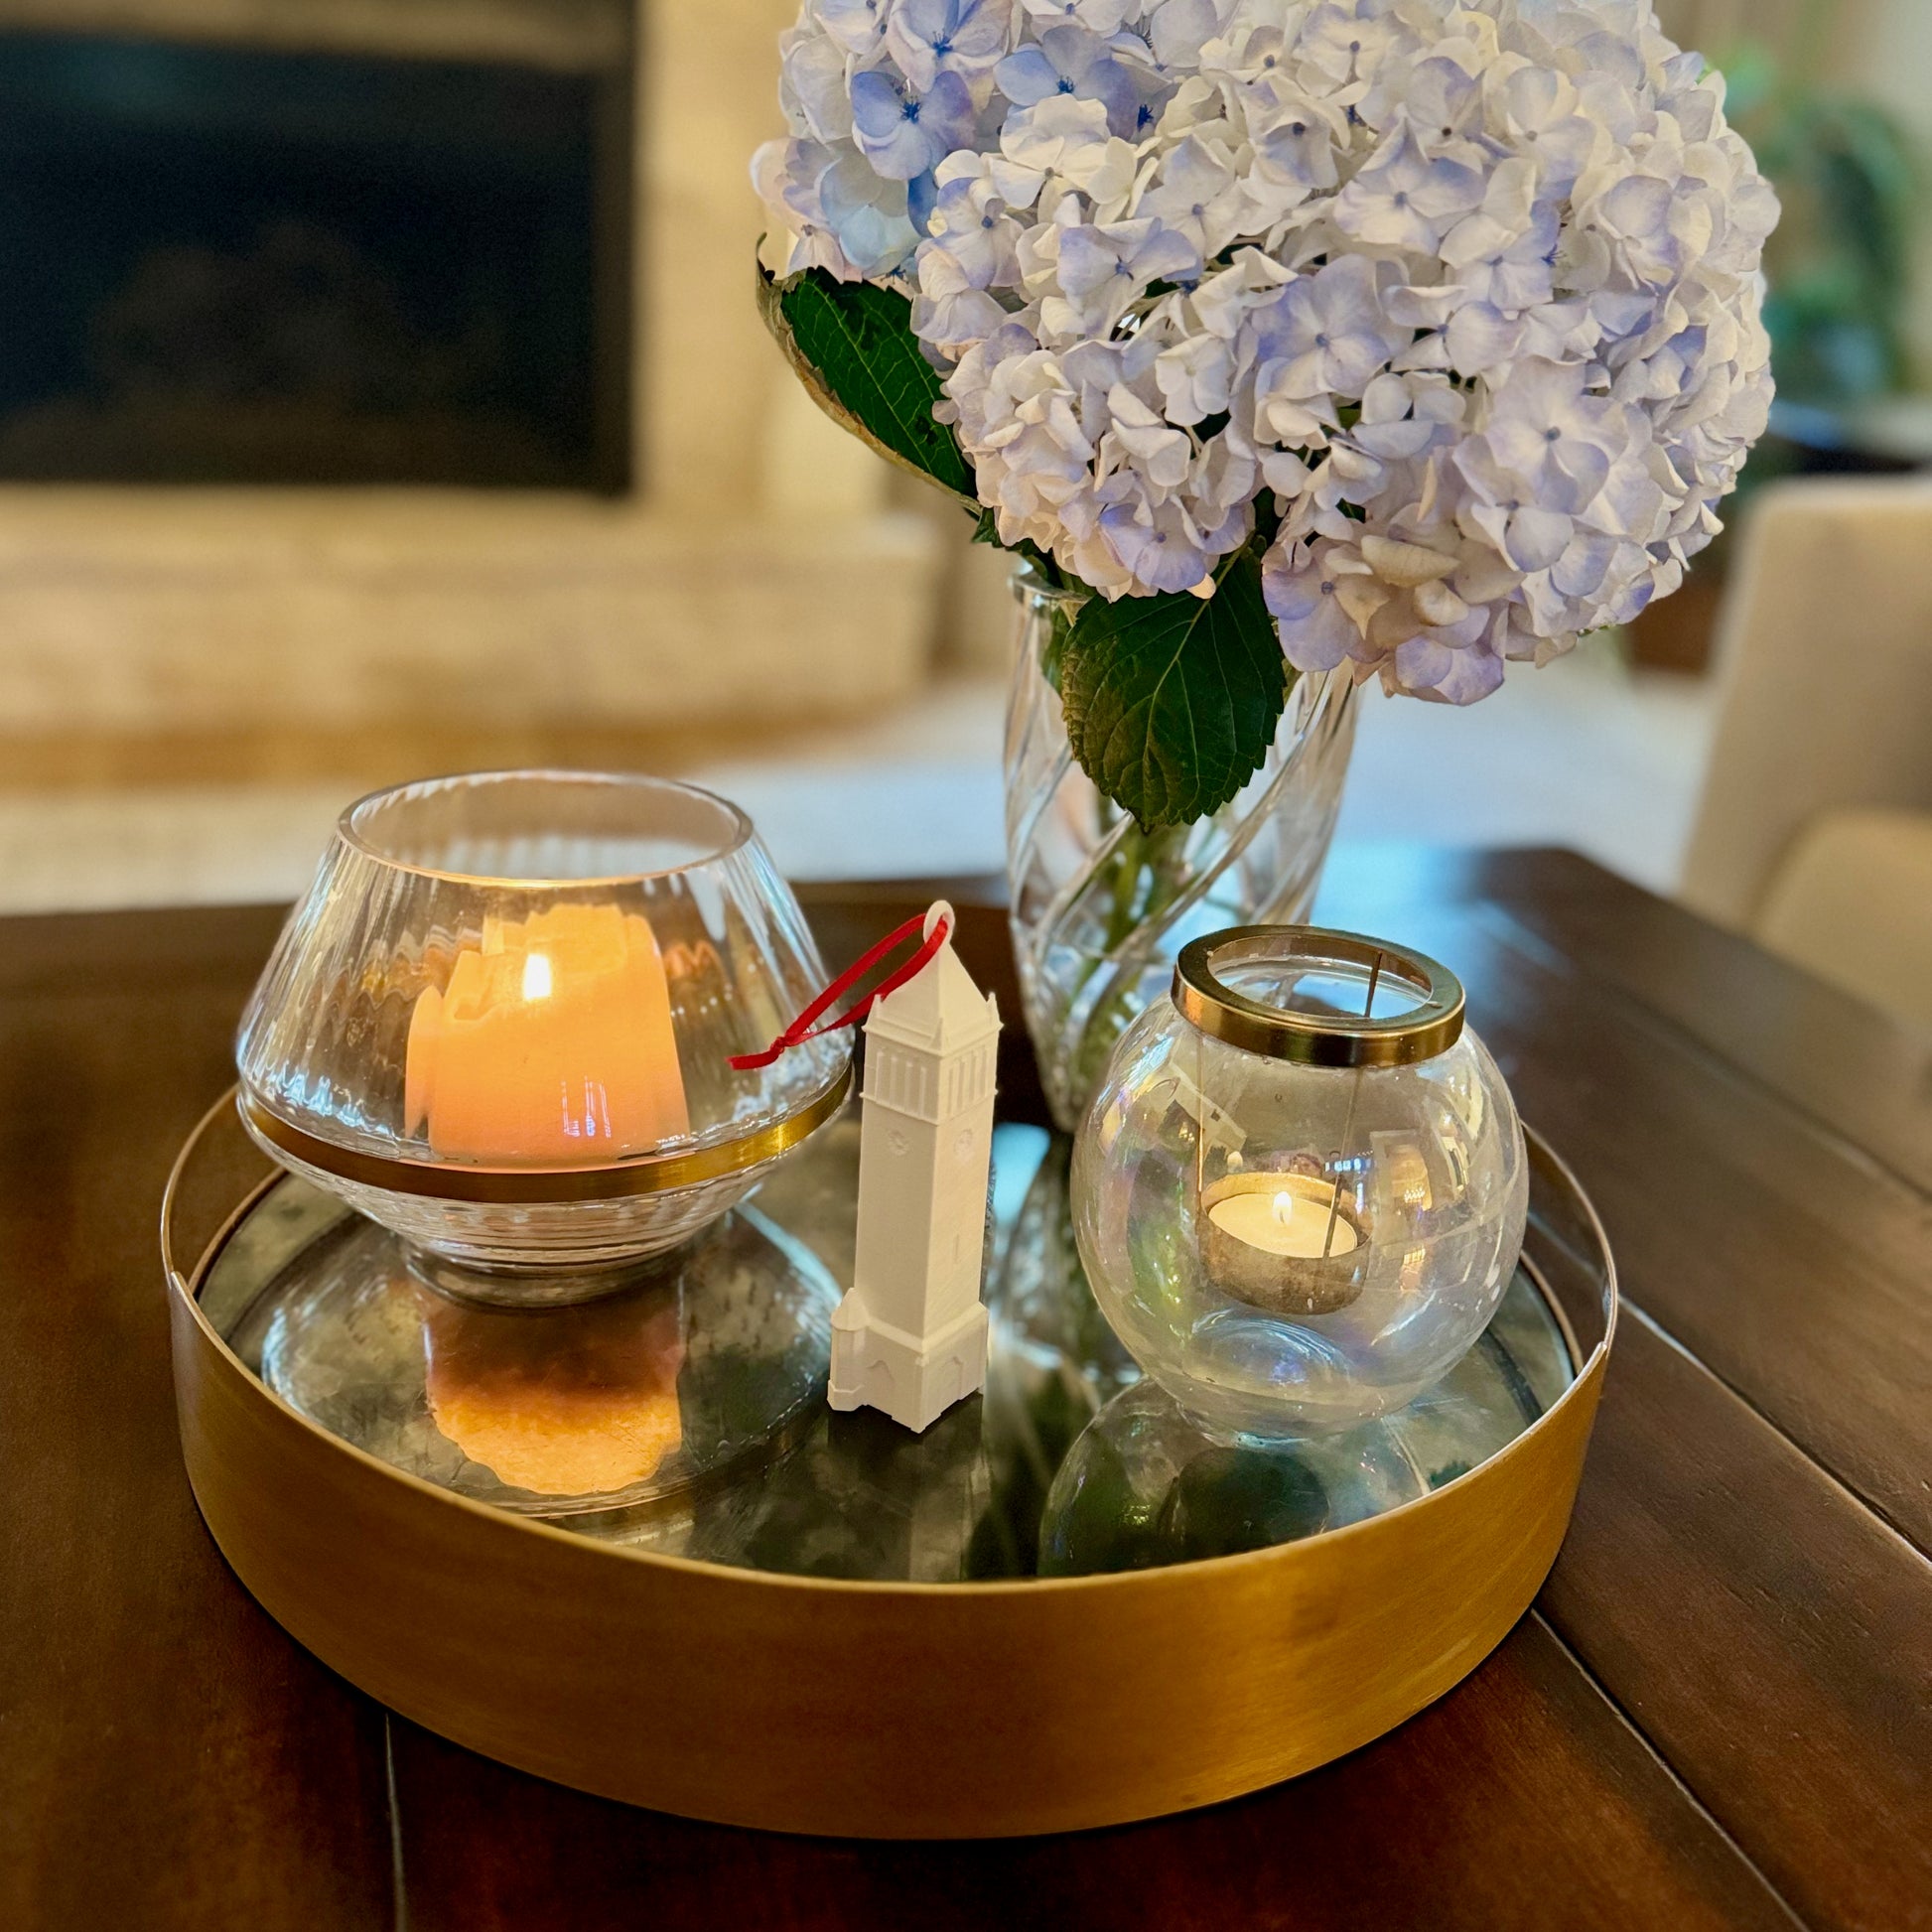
(759, 573)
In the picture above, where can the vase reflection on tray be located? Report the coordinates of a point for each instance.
(1147, 1485)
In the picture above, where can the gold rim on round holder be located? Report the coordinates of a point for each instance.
(1426, 1029)
(651, 1174)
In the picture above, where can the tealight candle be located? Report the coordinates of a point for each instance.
(1281, 1222)
(1282, 1241)
(551, 1042)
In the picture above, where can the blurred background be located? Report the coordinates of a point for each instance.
(381, 393)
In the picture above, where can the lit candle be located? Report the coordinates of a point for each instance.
(551, 1042)
(1280, 1221)
(1282, 1241)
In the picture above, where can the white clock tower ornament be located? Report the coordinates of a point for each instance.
(910, 1337)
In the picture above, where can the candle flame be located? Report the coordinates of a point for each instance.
(536, 977)
(1284, 1208)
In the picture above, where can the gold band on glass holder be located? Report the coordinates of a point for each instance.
(652, 1173)
(1207, 1003)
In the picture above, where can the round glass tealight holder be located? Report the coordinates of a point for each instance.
(501, 1022)
(1300, 1192)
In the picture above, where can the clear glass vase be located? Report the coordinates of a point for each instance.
(1101, 909)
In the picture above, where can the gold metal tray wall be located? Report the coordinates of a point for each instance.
(866, 1710)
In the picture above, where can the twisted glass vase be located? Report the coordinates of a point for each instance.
(1100, 909)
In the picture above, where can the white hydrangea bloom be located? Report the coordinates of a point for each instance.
(1458, 299)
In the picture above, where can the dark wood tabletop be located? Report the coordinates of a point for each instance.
(1719, 1713)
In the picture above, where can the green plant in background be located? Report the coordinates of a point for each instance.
(1840, 263)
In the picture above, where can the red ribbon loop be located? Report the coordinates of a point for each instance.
(803, 1029)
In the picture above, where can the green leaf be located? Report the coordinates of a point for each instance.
(1053, 649)
(1172, 702)
(853, 346)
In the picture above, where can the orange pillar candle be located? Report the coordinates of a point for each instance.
(552, 1043)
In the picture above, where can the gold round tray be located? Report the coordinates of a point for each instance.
(880, 1710)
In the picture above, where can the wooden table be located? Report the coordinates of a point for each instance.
(1719, 1712)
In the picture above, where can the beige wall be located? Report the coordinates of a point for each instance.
(710, 378)
(1708, 24)
(759, 571)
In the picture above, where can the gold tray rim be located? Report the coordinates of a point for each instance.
(987, 1800)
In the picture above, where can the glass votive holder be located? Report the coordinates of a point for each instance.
(1299, 1193)
(502, 1022)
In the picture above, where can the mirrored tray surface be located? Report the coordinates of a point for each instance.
(687, 1416)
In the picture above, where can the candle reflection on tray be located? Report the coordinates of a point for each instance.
(564, 1402)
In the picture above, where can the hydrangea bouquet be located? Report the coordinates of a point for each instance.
(1410, 337)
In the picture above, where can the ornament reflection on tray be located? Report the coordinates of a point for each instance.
(503, 1022)
(1301, 1191)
